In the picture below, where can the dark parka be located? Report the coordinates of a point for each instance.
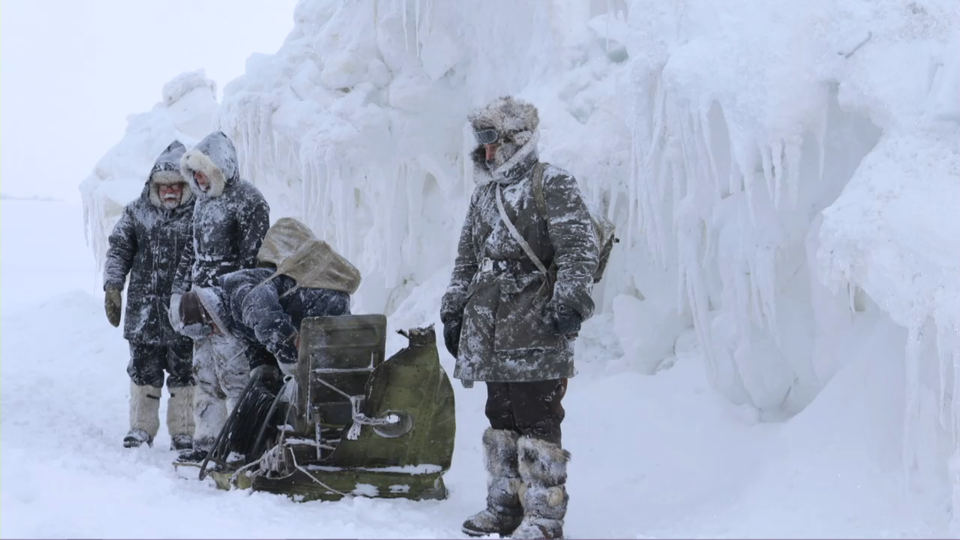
(147, 243)
(265, 315)
(508, 334)
(229, 220)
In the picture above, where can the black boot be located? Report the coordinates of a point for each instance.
(503, 512)
(136, 437)
(201, 447)
(543, 469)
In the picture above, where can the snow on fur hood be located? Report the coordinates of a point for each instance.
(312, 263)
(517, 122)
(214, 156)
(166, 170)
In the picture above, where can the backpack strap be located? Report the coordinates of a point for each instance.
(538, 195)
(541, 200)
(516, 234)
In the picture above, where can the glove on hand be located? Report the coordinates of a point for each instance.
(113, 304)
(566, 321)
(451, 336)
(265, 372)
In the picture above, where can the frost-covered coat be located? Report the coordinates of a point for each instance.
(229, 220)
(147, 243)
(254, 310)
(508, 333)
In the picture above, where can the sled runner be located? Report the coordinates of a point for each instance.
(348, 423)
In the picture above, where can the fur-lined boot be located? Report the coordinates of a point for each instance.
(144, 415)
(543, 469)
(180, 421)
(504, 512)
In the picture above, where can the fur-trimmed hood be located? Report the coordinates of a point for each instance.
(518, 123)
(216, 157)
(166, 170)
(213, 304)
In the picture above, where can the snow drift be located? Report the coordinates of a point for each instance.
(781, 174)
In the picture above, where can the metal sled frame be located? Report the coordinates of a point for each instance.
(359, 425)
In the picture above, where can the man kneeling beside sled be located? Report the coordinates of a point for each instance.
(258, 311)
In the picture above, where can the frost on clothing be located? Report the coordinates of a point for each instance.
(507, 323)
(266, 313)
(222, 374)
(147, 243)
(230, 218)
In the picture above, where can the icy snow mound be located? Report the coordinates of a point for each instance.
(188, 113)
(357, 125)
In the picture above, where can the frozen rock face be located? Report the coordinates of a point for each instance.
(188, 112)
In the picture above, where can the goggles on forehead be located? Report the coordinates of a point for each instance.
(486, 136)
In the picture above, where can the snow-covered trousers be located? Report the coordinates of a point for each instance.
(149, 361)
(531, 409)
(222, 370)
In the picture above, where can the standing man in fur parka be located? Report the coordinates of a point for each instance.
(147, 243)
(230, 220)
(520, 289)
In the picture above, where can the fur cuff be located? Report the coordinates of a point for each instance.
(500, 452)
(542, 463)
(195, 160)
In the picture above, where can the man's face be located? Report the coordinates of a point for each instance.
(202, 181)
(490, 139)
(171, 195)
(491, 151)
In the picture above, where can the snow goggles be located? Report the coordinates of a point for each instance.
(486, 136)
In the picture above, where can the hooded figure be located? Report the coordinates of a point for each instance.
(512, 325)
(256, 314)
(147, 243)
(230, 218)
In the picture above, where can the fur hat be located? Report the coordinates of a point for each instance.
(517, 122)
(512, 118)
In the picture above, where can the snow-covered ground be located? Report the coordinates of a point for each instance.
(653, 456)
(776, 350)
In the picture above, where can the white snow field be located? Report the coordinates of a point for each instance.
(776, 351)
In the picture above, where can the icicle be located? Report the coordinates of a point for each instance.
(821, 135)
(777, 153)
(943, 354)
(767, 161)
(610, 9)
(406, 35)
(416, 4)
(705, 123)
(912, 364)
(792, 157)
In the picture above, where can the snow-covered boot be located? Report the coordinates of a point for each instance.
(543, 469)
(144, 415)
(180, 421)
(503, 512)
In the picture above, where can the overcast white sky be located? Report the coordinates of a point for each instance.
(71, 71)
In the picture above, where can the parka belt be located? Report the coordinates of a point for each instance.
(506, 266)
